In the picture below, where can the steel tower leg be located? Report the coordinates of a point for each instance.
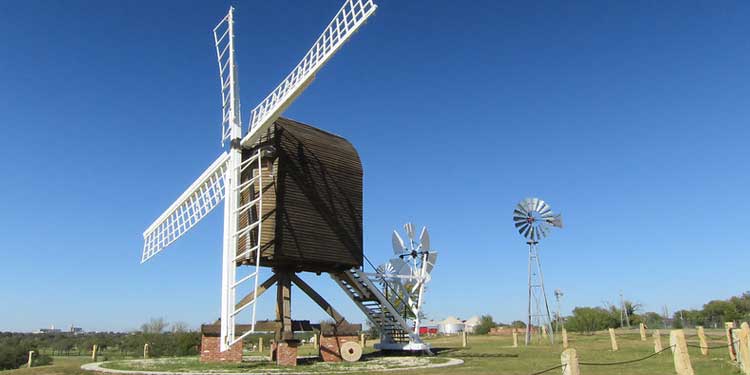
(528, 321)
(536, 286)
(544, 294)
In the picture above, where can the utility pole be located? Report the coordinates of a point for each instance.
(558, 295)
(623, 312)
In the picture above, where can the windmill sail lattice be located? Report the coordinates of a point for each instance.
(200, 198)
(344, 24)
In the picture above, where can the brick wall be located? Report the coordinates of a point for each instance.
(210, 351)
(330, 347)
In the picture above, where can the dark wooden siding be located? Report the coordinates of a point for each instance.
(315, 222)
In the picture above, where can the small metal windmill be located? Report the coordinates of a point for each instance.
(534, 219)
(410, 281)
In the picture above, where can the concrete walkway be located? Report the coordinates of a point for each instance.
(96, 366)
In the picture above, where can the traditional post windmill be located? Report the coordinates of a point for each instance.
(293, 200)
(272, 179)
(533, 219)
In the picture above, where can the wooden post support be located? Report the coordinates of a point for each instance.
(31, 358)
(93, 353)
(569, 360)
(728, 326)
(316, 340)
(657, 341)
(643, 332)
(744, 344)
(464, 339)
(260, 345)
(515, 339)
(145, 351)
(363, 339)
(682, 363)
(613, 339)
(702, 339)
(565, 338)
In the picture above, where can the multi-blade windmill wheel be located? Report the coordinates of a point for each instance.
(392, 272)
(533, 218)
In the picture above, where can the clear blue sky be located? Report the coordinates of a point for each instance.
(631, 118)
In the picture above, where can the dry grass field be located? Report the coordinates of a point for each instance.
(494, 355)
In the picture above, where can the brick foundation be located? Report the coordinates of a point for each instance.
(210, 351)
(330, 347)
(284, 353)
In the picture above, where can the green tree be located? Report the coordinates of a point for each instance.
(721, 311)
(485, 324)
(590, 319)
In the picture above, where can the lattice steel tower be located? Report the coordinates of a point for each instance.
(533, 219)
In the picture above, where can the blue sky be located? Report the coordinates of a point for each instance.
(631, 118)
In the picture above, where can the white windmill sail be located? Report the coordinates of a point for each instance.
(344, 24)
(194, 204)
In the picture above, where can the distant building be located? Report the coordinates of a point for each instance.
(75, 330)
(51, 329)
(429, 328)
(451, 326)
(471, 323)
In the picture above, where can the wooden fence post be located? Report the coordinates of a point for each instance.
(569, 360)
(31, 358)
(565, 338)
(682, 363)
(744, 344)
(657, 341)
(612, 339)
(728, 326)
(702, 339)
(464, 340)
(145, 351)
(643, 332)
(260, 344)
(363, 340)
(515, 338)
(93, 353)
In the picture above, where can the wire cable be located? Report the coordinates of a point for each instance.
(624, 362)
(548, 370)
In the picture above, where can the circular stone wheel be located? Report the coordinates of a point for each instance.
(351, 351)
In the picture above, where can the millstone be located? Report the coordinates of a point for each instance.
(351, 351)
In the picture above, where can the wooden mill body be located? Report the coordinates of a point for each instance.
(311, 201)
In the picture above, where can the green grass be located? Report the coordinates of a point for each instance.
(494, 355)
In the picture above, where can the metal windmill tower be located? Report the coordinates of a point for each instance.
(533, 219)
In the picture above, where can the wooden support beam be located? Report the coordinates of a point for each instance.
(338, 318)
(261, 289)
(284, 305)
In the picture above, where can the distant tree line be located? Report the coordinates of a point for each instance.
(713, 314)
(164, 340)
(588, 320)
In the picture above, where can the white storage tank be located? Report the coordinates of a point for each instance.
(451, 326)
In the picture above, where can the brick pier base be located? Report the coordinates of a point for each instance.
(210, 352)
(330, 347)
(284, 353)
